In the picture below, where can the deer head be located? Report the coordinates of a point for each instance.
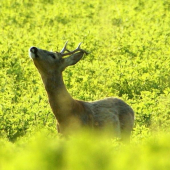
(53, 62)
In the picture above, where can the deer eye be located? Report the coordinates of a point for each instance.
(53, 56)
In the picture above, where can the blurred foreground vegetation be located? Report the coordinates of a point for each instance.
(83, 151)
(129, 58)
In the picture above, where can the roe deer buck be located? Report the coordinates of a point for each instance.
(68, 111)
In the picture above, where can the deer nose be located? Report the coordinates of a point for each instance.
(33, 50)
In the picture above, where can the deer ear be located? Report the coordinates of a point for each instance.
(73, 59)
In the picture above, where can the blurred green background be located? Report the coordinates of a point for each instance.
(128, 41)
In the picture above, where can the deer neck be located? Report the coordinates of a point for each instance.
(60, 100)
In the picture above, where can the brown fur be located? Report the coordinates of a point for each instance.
(109, 112)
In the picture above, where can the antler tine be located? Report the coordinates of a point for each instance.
(79, 49)
(72, 52)
(79, 46)
(64, 48)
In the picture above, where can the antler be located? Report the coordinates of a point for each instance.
(64, 48)
(71, 52)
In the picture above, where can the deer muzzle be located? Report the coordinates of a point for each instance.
(33, 52)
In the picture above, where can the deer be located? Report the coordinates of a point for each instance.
(111, 112)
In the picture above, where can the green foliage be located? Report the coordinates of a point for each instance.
(84, 151)
(128, 42)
